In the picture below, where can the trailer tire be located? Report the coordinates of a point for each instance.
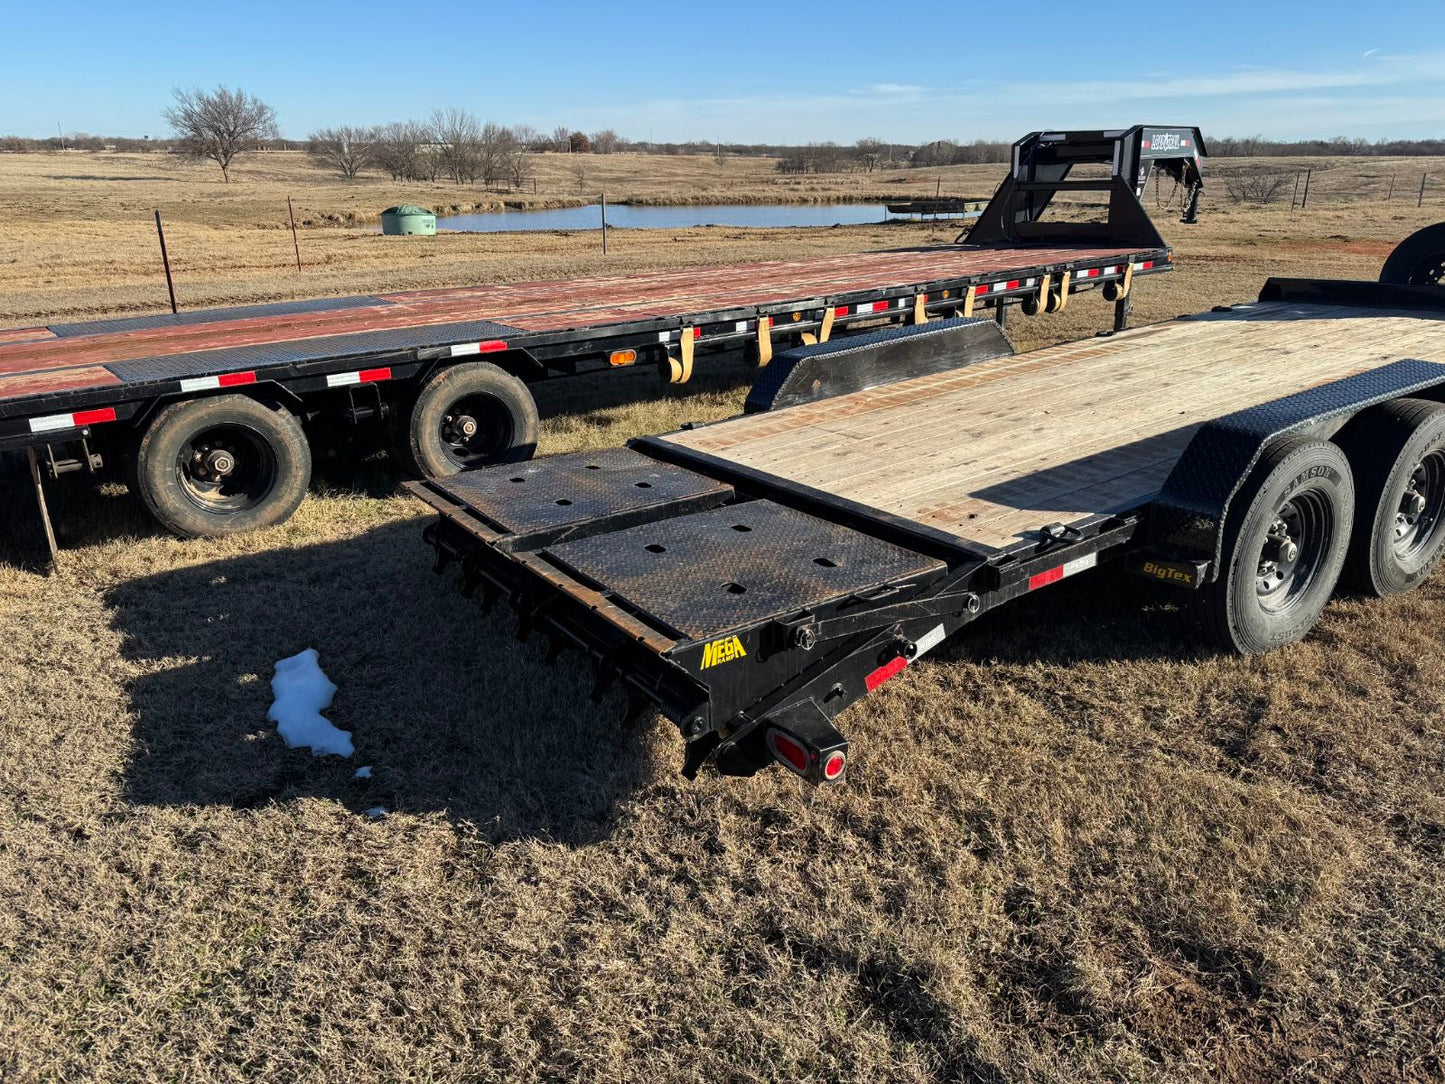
(1301, 495)
(466, 416)
(1397, 453)
(1418, 260)
(222, 465)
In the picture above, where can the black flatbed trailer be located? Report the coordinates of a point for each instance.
(210, 415)
(753, 577)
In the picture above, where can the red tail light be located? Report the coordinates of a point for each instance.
(833, 766)
(789, 752)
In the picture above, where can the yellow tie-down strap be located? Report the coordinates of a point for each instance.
(680, 367)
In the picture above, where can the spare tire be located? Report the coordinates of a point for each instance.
(1418, 260)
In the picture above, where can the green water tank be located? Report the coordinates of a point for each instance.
(408, 218)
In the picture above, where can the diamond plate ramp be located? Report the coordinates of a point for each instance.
(561, 491)
(709, 572)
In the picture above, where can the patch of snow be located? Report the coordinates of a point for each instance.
(362, 772)
(302, 692)
(376, 812)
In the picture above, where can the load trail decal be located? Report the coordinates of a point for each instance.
(720, 651)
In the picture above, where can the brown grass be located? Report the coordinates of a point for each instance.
(1074, 846)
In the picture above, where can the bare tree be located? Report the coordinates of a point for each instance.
(520, 168)
(398, 150)
(562, 138)
(219, 124)
(494, 152)
(578, 143)
(869, 152)
(348, 149)
(579, 170)
(606, 142)
(457, 135)
(528, 137)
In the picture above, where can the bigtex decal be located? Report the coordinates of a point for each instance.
(720, 651)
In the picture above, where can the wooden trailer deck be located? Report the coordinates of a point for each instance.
(993, 452)
(71, 357)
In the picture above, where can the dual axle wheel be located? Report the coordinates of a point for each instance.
(1368, 511)
(230, 463)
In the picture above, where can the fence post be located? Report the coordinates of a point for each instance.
(166, 262)
(1304, 200)
(1391, 193)
(1294, 196)
(1421, 201)
(294, 243)
(604, 223)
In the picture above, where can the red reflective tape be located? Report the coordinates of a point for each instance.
(841, 310)
(1090, 273)
(368, 376)
(491, 347)
(90, 417)
(884, 672)
(1146, 265)
(230, 380)
(1012, 284)
(1043, 579)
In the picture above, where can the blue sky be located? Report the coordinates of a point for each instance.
(749, 72)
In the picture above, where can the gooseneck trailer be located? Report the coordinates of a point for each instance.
(753, 577)
(210, 415)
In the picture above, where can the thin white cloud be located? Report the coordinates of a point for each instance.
(891, 89)
(1379, 96)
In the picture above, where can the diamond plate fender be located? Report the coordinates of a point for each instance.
(1188, 517)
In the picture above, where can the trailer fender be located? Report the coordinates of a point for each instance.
(515, 360)
(1187, 520)
(806, 374)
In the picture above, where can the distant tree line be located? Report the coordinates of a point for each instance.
(454, 145)
(1343, 146)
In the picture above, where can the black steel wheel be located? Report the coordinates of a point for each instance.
(221, 466)
(1397, 453)
(1284, 544)
(1418, 260)
(464, 417)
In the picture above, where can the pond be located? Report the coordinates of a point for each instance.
(625, 216)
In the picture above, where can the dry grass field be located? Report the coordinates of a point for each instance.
(1075, 845)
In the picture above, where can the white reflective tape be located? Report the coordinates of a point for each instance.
(1111, 270)
(664, 336)
(741, 325)
(200, 383)
(1029, 282)
(337, 380)
(52, 421)
(928, 641)
(1079, 564)
(466, 348)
